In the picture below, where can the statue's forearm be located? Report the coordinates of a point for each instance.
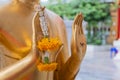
(15, 71)
(70, 69)
(78, 48)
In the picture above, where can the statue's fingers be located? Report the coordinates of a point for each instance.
(80, 24)
(76, 18)
(77, 25)
(75, 21)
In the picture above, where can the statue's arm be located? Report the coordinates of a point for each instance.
(78, 49)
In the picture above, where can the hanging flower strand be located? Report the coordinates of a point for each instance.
(47, 46)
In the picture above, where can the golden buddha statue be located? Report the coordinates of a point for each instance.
(21, 29)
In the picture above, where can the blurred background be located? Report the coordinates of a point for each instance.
(101, 27)
(97, 17)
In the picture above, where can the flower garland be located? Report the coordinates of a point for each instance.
(48, 45)
(47, 67)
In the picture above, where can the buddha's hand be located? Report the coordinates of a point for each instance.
(78, 42)
(78, 49)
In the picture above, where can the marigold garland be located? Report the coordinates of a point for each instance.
(47, 67)
(49, 44)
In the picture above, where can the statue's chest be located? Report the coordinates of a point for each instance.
(20, 27)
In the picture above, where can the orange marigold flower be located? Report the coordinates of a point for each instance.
(47, 67)
(49, 44)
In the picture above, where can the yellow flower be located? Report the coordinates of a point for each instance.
(47, 67)
(49, 44)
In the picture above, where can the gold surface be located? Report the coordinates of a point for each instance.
(19, 19)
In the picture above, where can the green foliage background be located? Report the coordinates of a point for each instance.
(93, 11)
